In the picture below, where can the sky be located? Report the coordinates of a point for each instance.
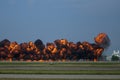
(48, 20)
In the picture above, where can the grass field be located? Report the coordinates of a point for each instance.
(74, 63)
(65, 72)
(52, 79)
(11, 68)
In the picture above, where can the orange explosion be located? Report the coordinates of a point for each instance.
(103, 40)
(60, 50)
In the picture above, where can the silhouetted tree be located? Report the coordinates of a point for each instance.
(115, 58)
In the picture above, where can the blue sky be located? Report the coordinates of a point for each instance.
(48, 20)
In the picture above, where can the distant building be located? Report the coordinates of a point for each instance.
(108, 58)
(116, 53)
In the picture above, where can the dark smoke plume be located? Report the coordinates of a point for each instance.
(59, 50)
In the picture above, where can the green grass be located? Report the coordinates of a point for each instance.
(87, 72)
(14, 63)
(60, 64)
(57, 72)
(49, 79)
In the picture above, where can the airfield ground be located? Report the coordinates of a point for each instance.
(59, 70)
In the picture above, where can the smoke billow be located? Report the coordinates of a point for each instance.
(59, 50)
(102, 40)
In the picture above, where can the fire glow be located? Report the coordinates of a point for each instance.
(60, 50)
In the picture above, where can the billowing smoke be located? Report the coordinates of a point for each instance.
(59, 50)
(102, 40)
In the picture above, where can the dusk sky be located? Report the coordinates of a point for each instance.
(48, 20)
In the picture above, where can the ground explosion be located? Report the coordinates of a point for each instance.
(60, 50)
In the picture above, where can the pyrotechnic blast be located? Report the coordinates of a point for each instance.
(61, 49)
(102, 40)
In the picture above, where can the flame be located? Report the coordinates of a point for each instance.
(103, 40)
(60, 50)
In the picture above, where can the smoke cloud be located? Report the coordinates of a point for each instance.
(59, 50)
(102, 40)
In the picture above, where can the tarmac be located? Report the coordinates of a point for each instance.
(35, 76)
